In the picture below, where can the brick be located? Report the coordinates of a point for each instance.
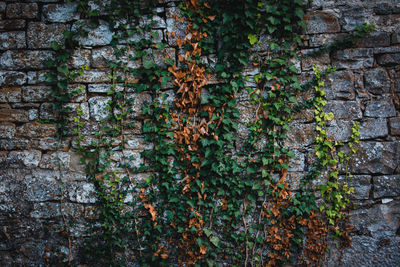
(13, 115)
(377, 81)
(12, 40)
(394, 126)
(22, 10)
(12, 24)
(60, 12)
(10, 94)
(380, 108)
(321, 22)
(24, 59)
(12, 78)
(41, 35)
(36, 93)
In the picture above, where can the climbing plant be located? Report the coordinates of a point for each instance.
(208, 196)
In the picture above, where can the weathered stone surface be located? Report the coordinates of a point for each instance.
(13, 115)
(344, 109)
(174, 26)
(139, 101)
(24, 59)
(29, 158)
(46, 112)
(374, 39)
(12, 40)
(137, 143)
(55, 160)
(395, 38)
(394, 126)
(375, 158)
(97, 107)
(308, 62)
(60, 12)
(386, 186)
(373, 128)
(12, 24)
(339, 130)
(380, 108)
(7, 130)
(377, 81)
(94, 76)
(10, 94)
(361, 184)
(321, 22)
(354, 58)
(11, 78)
(100, 35)
(40, 35)
(80, 58)
(389, 59)
(83, 193)
(340, 86)
(300, 135)
(39, 93)
(22, 10)
(36, 129)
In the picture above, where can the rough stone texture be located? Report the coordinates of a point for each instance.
(40, 35)
(365, 88)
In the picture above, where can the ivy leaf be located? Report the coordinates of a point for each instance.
(63, 69)
(207, 232)
(252, 38)
(215, 241)
(147, 64)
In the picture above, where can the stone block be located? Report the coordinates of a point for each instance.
(36, 93)
(80, 57)
(24, 59)
(29, 159)
(12, 78)
(13, 115)
(340, 86)
(55, 160)
(60, 12)
(138, 102)
(137, 143)
(361, 184)
(395, 38)
(98, 107)
(102, 56)
(339, 130)
(174, 25)
(380, 108)
(36, 129)
(12, 40)
(300, 135)
(373, 128)
(46, 112)
(35, 77)
(48, 210)
(345, 110)
(10, 94)
(394, 126)
(83, 193)
(375, 39)
(377, 81)
(12, 24)
(388, 60)
(387, 186)
(22, 10)
(40, 35)
(321, 22)
(94, 76)
(375, 158)
(101, 35)
(354, 58)
(78, 92)
(7, 130)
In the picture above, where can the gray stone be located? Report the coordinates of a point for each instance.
(377, 81)
(394, 126)
(10, 94)
(29, 158)
(12, 24)
(11, 78)
(101, 35)
(375, 158)
(374, 39)
(55, 161)
(347, 110)
(7, 130)
(373, 128)
(395, 38)
(389, 59)
(60, 12)
(102, 57)
(94, 76)
(339, 130)
(98, 107)
(24, 59)
(13, 115)
(387, 186)
(321, 22)
(361, 184)
(308, 62)
(174, 25)
(22, 10)
(354, 58)
(137, 143)
(83, 193)
(36, 129)
(40, 35)
(300, 135)
(380, 108)
(340, 86)
(38, 93)
(80, 58)
(139, 101)
(12, 40)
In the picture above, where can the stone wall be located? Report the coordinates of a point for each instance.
(365, 88)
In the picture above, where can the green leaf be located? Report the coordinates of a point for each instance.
(252, 38)
(215, 241)
(63, 69)
(207, 232)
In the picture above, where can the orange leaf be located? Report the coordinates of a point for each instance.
(164, 256)
(152, 211)
(203, 249)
